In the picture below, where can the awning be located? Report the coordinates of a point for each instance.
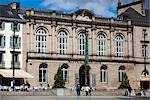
(145, 78)
(18, 73)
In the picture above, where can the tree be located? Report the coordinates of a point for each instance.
(59, 82)
(125, 83)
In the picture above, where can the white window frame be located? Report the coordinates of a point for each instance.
(43, 75)
(17, 28)
(65, 74)
(2, 26)
(81, 43)
(41, 36)
(62, 42)
(103, 75)
(17, 42)
(119, 46)
(2, 41)
(101, 41)
(2, 63)
(121, 74)
(16, 60)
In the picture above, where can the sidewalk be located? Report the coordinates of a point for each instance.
(99, 93)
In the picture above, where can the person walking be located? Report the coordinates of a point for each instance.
(78, 89)
(90, 90)
(129, 89)
(87, 88)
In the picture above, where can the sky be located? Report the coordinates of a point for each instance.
(104, 8)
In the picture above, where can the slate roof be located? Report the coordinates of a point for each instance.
(8, 13)
(136, 18)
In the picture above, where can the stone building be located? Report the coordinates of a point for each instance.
(140, 17)
(53, 39)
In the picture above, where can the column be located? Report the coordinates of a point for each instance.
(112, 46)
(32, 38)
(130, 44)
(93, 44)
(54, 44)
(74, 42)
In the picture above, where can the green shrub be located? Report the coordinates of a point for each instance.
(125, 83)
(59, 82)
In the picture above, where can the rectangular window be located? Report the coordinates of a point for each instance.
(2, 63)
(62, 46)
(2, 26)
(40, 43)
(65, 74)
(15, 60)
(15, 26)
(2, 41)
(119, 49)
(101, 47)
(81, 46)
(43, 74)
(103, 76)
(17, 42)
(121, 75)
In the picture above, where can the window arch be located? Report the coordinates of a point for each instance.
(41, 40)
(62, 42)
(64, 69)
(43, 72)
(119, 46)
(103, 74)
(81, 43)
(101, 41)
(121, 73)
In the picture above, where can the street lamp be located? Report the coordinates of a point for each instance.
(145, 42)
(13, 54)
(86, 55)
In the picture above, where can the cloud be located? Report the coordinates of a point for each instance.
(105, 8)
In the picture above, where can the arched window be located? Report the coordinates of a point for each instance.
(64, 69)
(43, 72)
(62, 42)
(81, 43)
(100, 40)
(41, 40)
(121, 73)
(119, 46)
(103, 74)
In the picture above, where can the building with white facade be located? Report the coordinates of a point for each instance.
(11, 25)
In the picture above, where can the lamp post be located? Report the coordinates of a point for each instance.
(86, 55)
(145, 53)
(145, 43)
(13, 60)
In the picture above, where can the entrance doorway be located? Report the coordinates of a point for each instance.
(82, 76)
(145, 85)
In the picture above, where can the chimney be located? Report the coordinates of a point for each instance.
(119, 3)
(14, 5)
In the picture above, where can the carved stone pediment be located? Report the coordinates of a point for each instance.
(84, 18)
(84, 15)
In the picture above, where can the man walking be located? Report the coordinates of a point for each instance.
(78, 89)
